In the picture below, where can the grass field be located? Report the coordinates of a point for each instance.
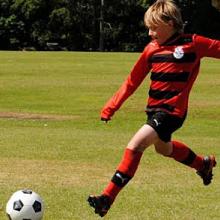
(52, 141)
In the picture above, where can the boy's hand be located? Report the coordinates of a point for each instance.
(105, 116)
(105, 119)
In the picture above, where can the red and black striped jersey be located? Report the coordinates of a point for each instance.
(174, 67)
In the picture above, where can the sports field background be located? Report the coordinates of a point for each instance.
(53, 142)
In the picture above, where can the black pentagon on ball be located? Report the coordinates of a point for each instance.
(18, 205)
(27, 191)
(37, 206)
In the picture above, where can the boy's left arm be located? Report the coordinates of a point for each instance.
(134, 79)
(207, 47)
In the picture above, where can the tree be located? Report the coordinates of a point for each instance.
(126, 29)
(207, 20)
(84, 21)
(74, 24)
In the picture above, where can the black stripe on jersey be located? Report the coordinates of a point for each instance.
(169, 58)
(170, 77)
(161, 106)
(157, 94)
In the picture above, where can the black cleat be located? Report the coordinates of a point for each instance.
(206, 172)
(101, 204)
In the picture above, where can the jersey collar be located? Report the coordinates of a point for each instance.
(170, 40)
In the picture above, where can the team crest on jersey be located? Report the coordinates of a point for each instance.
(178, 52)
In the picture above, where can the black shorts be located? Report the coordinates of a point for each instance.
(164, 124)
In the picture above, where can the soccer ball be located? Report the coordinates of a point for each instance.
(25, 205)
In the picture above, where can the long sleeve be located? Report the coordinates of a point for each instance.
(137, 75)
(207, 47)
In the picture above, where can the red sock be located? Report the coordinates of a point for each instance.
(125, 171)
(185, 155)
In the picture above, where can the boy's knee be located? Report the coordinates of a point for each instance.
(163, 150)
(158, 150)
(139, 147)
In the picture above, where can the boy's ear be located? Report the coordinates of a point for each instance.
(170, 23)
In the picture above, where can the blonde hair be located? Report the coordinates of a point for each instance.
(163, 11)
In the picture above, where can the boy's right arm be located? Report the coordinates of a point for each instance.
(207, 47)
(137, 75)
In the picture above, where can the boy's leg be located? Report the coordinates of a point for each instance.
(203, 165)
(165, 126)
(124, 172)
(183, 154)
(126, 169)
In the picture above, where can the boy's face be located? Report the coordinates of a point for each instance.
(161, 32)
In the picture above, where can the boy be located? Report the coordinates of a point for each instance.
(173, 59)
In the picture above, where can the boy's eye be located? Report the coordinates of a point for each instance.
(152, 28)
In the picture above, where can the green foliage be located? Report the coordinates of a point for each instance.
(30, 10)
(75, 24)
(125, 19)
(208, 19)
(11, 32)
